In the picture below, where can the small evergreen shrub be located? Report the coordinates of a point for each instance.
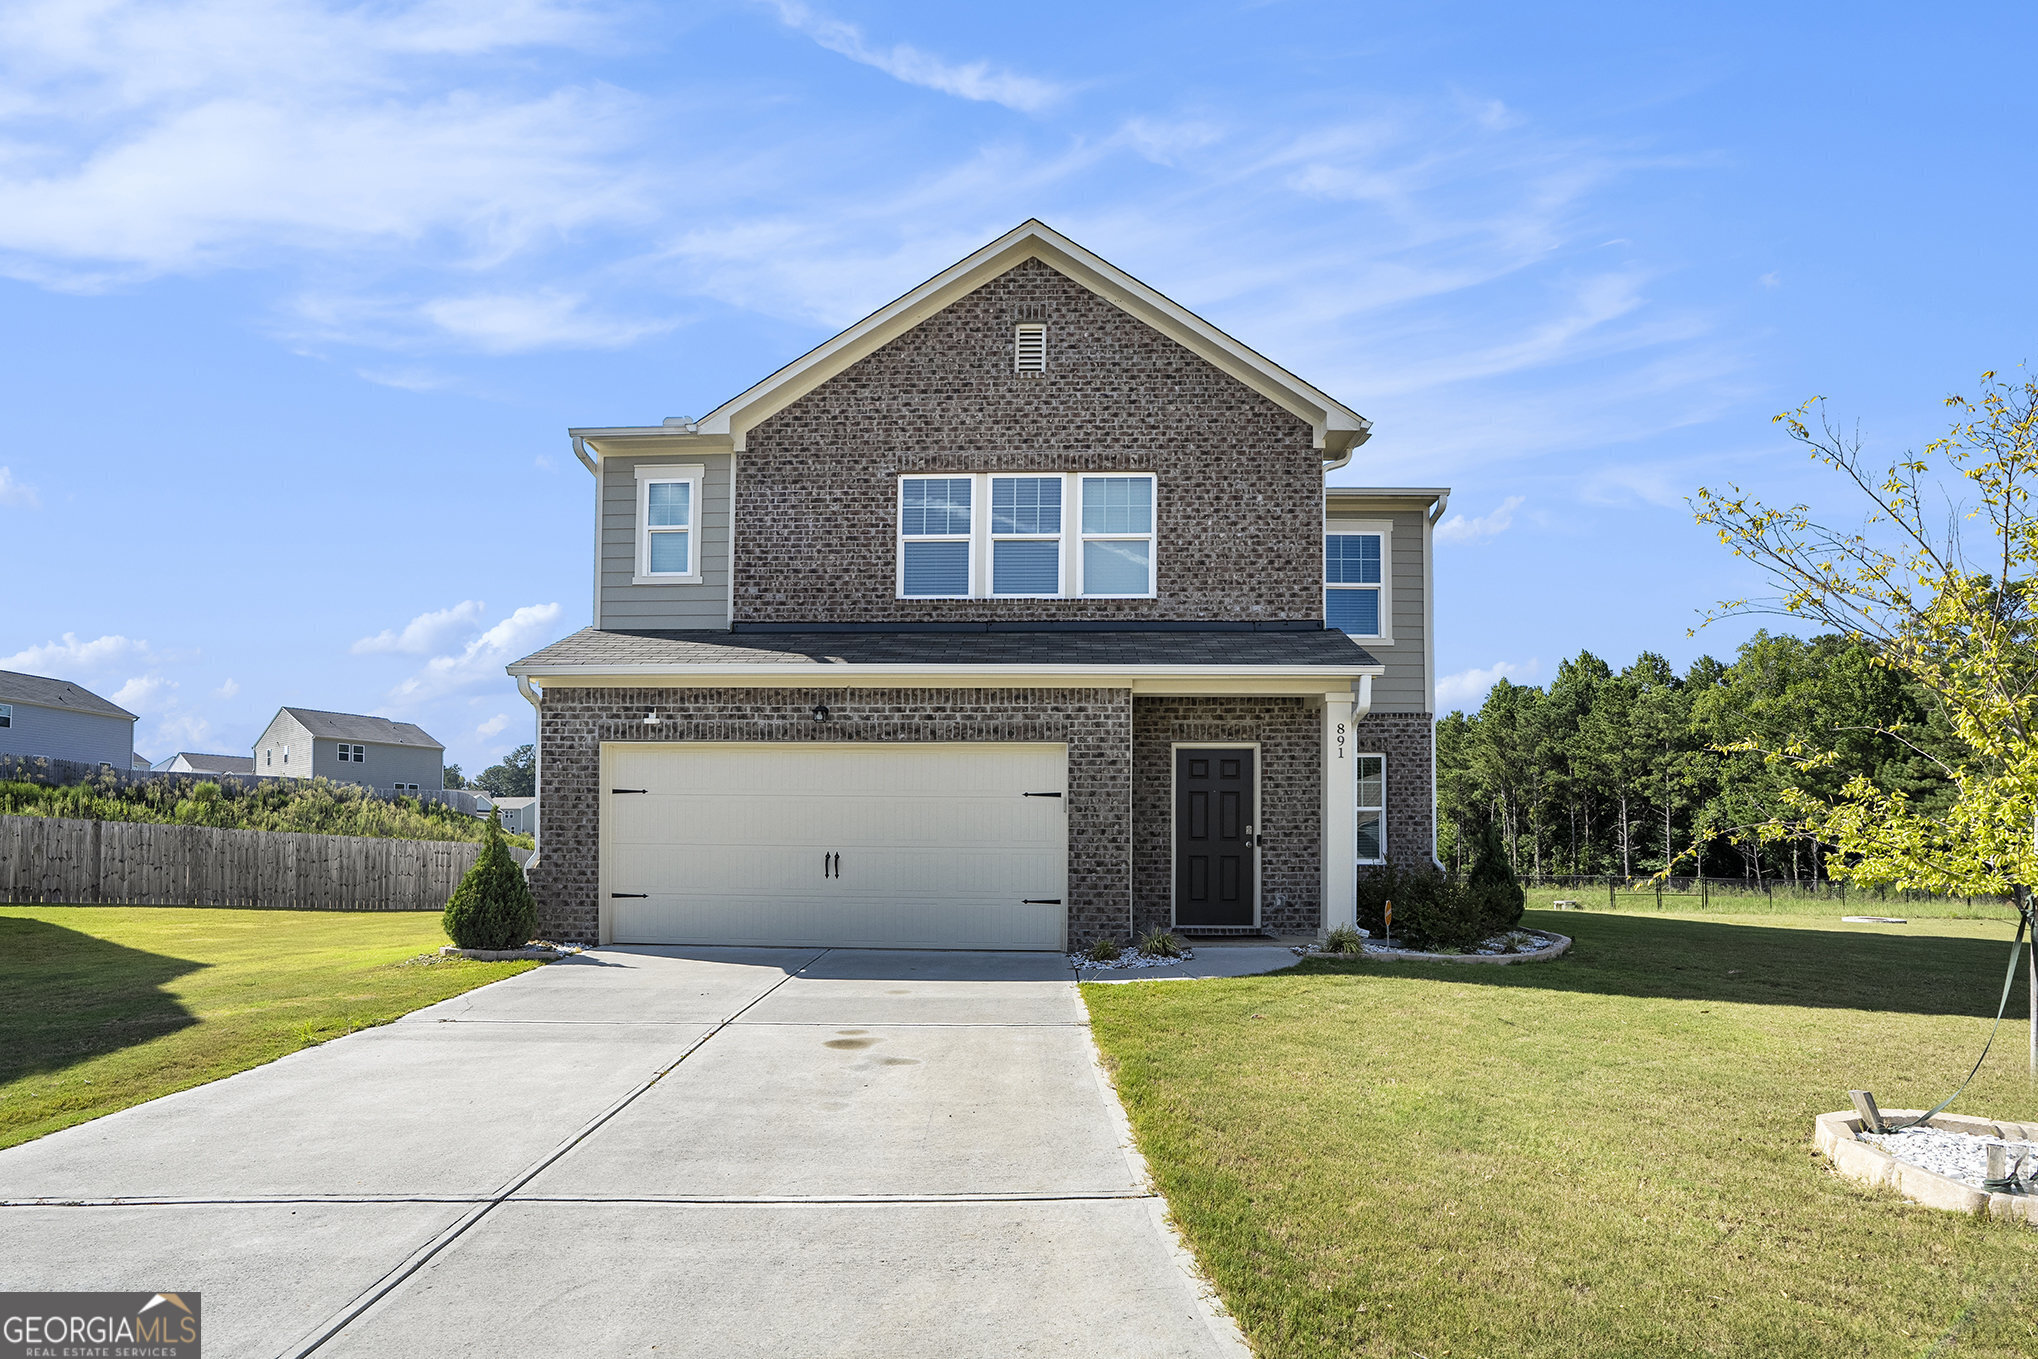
(1162, 944)
(1431, 911)
(1493, 883)
(1104, 951)
(492, 906)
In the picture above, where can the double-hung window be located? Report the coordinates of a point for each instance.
(935, 519)
(1118, 536)
(1372, 774)
(1026, 542)
(1355, 580)
(668, 517)
(1045, 535)
(353, 753)
(6, 714)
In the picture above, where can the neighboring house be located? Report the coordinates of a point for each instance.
(61, 720)
(519, 814)
(997, 621)
(139, 762)
(192, 762)
(304, 743)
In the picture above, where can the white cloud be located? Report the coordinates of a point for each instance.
(503, 323)
(482, 659)
(492, 725)
(424, 632)
(228, 690)
(1459, 529)
(143, 693)
(17, 493)
(183, 729)
(1467, 688)
(69, 654)
(977, 80)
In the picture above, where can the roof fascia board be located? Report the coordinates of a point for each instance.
(1426, 494)
(839, 673)
(1335, 425)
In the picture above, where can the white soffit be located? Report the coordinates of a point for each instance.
(1338, 428)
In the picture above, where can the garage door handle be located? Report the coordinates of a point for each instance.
(831, 865)
(629, 790)
(639, 895)
(1040, 795)
(1041, 901)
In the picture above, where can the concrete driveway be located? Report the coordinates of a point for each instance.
(718, 1152)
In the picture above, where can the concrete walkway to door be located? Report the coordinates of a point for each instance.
(724, 1152)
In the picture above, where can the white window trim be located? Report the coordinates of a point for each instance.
(1360, 809)
(978, 518)
(6, 715)
(1385, 528)
(981, 537)
(692, 473)
(1151, 537)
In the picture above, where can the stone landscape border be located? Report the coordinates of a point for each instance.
(1559, 945)
(1836, 1137)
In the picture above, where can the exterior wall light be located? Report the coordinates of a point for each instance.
(651, 719)
(820, 712)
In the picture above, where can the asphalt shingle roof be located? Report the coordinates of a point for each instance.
(595, 647)
(55, 693)
(213, 764)
(359, 727)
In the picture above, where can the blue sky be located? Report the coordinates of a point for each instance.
(301, 298)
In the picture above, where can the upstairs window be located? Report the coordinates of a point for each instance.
(1026, 547)
(356, 754)
(1372, 772)
(1029, 348)
(1118, 536)
(1355, 582)
(668, 508)
(6, 714)
(990, 535)
(934, 537)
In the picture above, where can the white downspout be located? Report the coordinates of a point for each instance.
(537, 768)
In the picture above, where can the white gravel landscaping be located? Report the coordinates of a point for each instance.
(1129, 958)
(1513, 941)
(1957, 1156)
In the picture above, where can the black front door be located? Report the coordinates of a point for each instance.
(1214, 826)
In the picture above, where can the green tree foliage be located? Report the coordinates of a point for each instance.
(451, 777)
(1643, 770)
(492, 907)
(1495, 891)
(516, 776)
(314, 806)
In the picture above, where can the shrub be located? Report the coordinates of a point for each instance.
(1431, 911)
(1103, 951)
(1162, 944)
(492, 906)
(1492, 882)
(1344, 939)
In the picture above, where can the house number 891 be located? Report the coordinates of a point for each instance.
(1340, 740)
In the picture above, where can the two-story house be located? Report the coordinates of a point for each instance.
(305, 743)
(63, 721)
(997, 621)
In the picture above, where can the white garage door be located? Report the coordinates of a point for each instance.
(853, 846)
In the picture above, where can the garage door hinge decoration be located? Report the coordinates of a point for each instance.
(629, 790)
(638, 895)
(1040, 795)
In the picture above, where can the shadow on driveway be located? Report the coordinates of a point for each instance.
(1832, 968)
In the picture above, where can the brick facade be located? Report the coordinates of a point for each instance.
(1408, 741)
(1239, 484)
(1290, 736)
(1096, 725)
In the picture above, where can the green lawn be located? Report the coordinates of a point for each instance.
(1606, 1155)
(102, 1007)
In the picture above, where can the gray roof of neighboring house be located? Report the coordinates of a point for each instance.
(594, 647)
(56, 693)
(512, 803)
(358, 727)
(211, 764)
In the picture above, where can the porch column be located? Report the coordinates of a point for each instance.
(1340, 812)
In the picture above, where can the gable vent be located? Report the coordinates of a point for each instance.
(1029, 348)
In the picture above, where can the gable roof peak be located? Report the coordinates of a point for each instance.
(1338, 428)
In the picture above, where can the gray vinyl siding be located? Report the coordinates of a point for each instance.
(382, 766)
(270, 761)
(1405, 686)
(625, 607)
(61, 734)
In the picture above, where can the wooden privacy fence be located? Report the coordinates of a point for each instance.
(131, 863)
